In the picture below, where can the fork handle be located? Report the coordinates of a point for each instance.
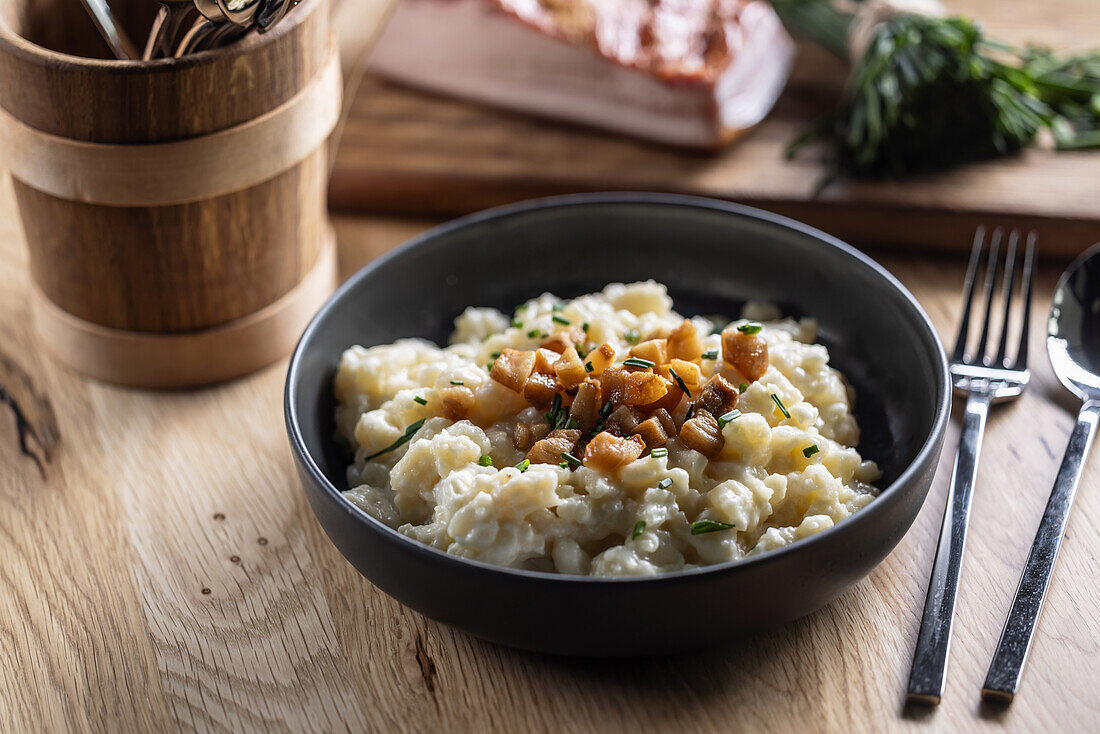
(1003, 678)
(926, 677)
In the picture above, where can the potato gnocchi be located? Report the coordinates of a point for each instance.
(605, 435)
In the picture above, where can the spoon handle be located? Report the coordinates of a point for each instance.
(926, 677)
(1003, 678)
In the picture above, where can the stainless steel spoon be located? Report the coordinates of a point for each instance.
(1073, 343)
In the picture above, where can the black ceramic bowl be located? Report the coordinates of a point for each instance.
(712, 255)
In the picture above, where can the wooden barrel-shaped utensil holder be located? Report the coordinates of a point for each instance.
(174, 210)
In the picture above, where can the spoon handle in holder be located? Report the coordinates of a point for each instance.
(926, 677)
(1003, 678)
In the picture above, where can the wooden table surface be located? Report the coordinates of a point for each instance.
(161, 571)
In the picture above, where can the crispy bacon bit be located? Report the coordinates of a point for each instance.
(626, 417)
(652, 432)
(702, 433)
(545, 361)
(512, 368)
(631, 388)
(748, 353)
(689, 372)
(600, 359)
(655, 350)
(665, 418)
(457, 402)
(550, 449)
(562, 340)
(540, 388)
(524, 435)
(609, 453)
(718, 396)
(570, 369)
(585, 405)
(684, 343)
(668, 401)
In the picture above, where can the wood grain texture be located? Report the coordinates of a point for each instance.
(152, 498)
(404, 151)
(180, 267)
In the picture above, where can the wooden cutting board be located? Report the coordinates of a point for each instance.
(407, 152)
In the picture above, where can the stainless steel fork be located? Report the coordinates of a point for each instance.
(983, 380)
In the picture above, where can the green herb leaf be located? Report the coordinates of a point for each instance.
(810, 451)
(533, 333)
(420, 400)
(679, 381)
(664, 483)
(639, 528)
(412, 429)
(637, 362)
(710, 354)
(780, 405)
(743, 387)
(588, 367)
(728, 417)
(457, 382)
(561, 320)
(485, 461)
(517, 323)
(522, 466)
(751, 327)
(570, 458)
(699, 527)
(658, 453)
(585, 326)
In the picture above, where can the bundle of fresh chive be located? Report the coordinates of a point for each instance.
(929, 92)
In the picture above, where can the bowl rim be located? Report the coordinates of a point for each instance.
(305, 459)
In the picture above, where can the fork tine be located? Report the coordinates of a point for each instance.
(1028, 282)
(968, 293)
(990, 287)
(1007, 287)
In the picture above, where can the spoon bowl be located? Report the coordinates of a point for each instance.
(1073, 332)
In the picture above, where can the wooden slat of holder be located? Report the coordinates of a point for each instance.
(174, 209)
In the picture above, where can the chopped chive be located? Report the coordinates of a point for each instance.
(494, 355)
(727, 417)
(709, 526)
(632, 337)
(712, 354)
(810, 451)
(532, 333)
(412, 429)
(664, 483)
(743, 387)
(557, 307)
(570, 458)
(782, 407)
(588, 367)
(690, 412)
(606, 409)
(582, 351)
(543, 335)
(457, 382)
(522, 466)
(561, 320)
(679, 381)
(420, 400)
(571, 424)
(517, 323)
(485, 461)
(563, 464)
(637, 362)
(751, 327)
(489, 366)
(658, 453)
(585, 326)
(639, 528)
